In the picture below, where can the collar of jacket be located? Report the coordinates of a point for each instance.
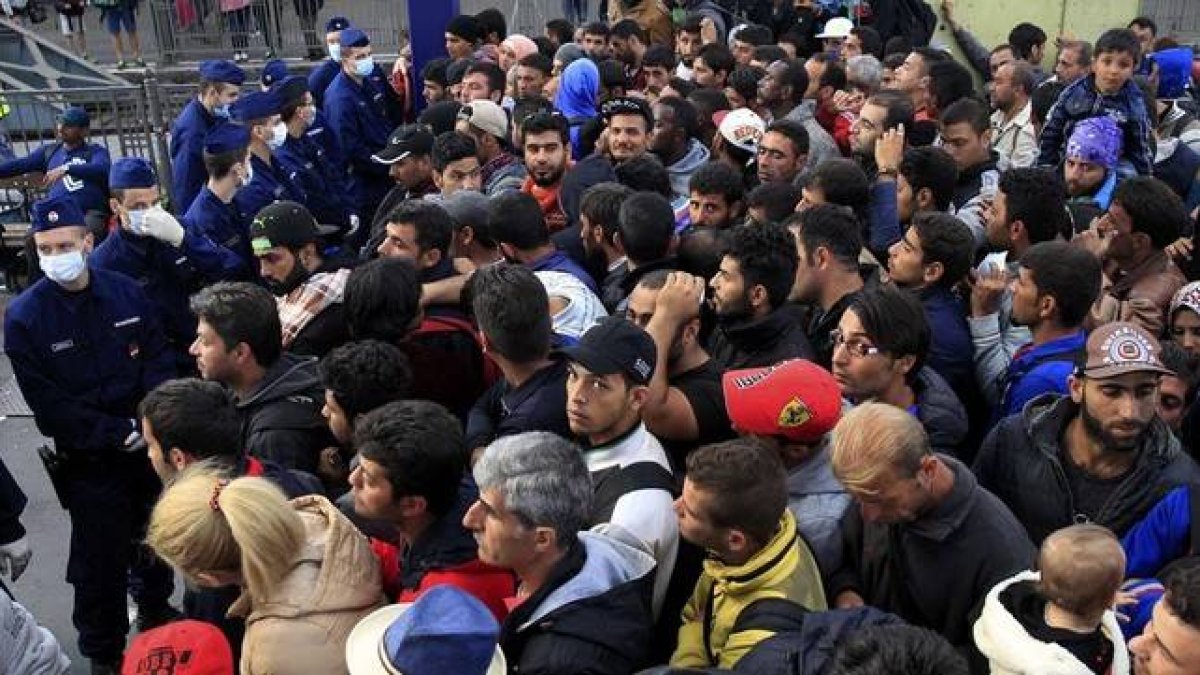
(758, 332)
(1046, 418)
(760, 564)
(445, 543)
(944, 519)
(1152, 266)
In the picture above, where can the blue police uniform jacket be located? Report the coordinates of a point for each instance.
(85, 359)
(324, 187)
(169, 275)
(358, 116)
(86, 179)
(324, 137)
(320, 78)
(270, 184)
(187, 154)
(220, 222)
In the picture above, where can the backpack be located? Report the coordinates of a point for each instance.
(804, 641)
(910, 18)
(442, 324)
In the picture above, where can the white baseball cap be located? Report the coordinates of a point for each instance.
(837, 27)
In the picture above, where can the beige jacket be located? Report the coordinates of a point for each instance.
(302, 626)
(1141, 295)
(651, 15)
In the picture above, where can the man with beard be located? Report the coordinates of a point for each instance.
(1100, 454)
(885, 111)
(287, 242)
(547, 149)
(674, 141)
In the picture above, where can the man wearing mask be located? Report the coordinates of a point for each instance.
(321, 76)
(213, 213)
(220, 82)
(269, 180)
(86, 346)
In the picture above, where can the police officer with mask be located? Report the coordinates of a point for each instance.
(220, 83)
(213, 213)
(168, 260)
(322, 75)
(269, 180)
(86, 346)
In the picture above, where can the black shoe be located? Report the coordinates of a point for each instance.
(102, 667)
(151, 619)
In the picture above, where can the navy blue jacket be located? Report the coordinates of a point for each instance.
(223, 225)
(270, 183)
(12, 503)
(1081, 100)
(358, 116)
(187, 154)
(328, 141)
(170, 275)
(86, 179)
(85, 359)
(320, 78)
(951, 352)
(310, 168)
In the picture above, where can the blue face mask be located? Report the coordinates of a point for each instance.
(63, 268)
(335, 52)
(364, 66)
(222, 111)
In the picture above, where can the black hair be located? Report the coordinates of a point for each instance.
(612, 74)
(754, 34)
(766, 255)
(950, 82)
(878, 649)
(700, 251)
(898, 105)
(930, 56)
(718, 178)
(1024, 37)
(660, 56)
(457, 70)
(1037, 197)
(516, 219)
(383, 300)
(1181, 582)
(645, 173)
(1144, 22)
(194, 416)
(769, 54)
(794, 131)
(1043, 98)
(491, 20)
(932, 168)
(513, 312)
(969, 110)
(647, 225)
(777, 200)
(796, 39)
(601, 203)
(440, 117)
(686, 88)
(685, 116)
(527, 106)
(219, 164)
(707, 102)
(540, 62)
(546, 121)
(842, 182)
(451, 147)
(692, 23)
(363, 375)
(1183, 365)
(421, 447)
(895, 322)
(834, 75)
(596, 28)
(947, 240)
(744, 80)
(562, 29)
(239, 311)
(435, 71)
(897, 44)
(1153, 207)
(544, 46)
(894, 60)
(795, 76)
(1071, 275)
(717, 57)
(872, 42)
(831, 227)
(432, 224)
(495, 76)
(627, 28)
(1120, 41)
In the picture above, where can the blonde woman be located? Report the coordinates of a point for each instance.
(307, 575)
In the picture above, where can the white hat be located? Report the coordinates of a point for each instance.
(365, 652)
(837, 27)
(742, 128)
(486, 116)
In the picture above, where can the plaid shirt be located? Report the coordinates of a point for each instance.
(303, 304)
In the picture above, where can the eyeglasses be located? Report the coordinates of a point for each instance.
(858, 348)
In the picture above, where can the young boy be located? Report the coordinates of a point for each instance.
(1108, 91)
(1058, 620)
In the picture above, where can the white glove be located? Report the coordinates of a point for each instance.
(163, 226)
(14, 557)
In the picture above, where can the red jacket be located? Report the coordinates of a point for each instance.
(490, 584)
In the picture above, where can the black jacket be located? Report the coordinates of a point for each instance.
(1019, 462)
(281, 419)
(776, 337)
(12, 503)
(940, 412)
(935, 571)
(592, 616)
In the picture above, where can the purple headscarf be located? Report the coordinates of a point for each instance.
(1096, 140)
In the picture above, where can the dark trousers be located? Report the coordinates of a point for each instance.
(109, 502)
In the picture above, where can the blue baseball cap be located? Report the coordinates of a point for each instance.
(131, 173)
(274, 71)
(222, 71)
(353, 37)
(337, 23)
(55, 212)
(256, 105)
(74, 116)
(226, 138)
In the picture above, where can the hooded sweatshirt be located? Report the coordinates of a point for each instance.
(681, 171)
(281, 418)
(576, 99)
(302, 623)
(1002, 634)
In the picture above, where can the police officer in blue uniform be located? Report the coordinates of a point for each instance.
(357, 109)
(86, 346)
(269, 180)
(220, 83)
(306, 162)
(72, 166)
(213, 213)
(168, 260)
(321, 76)
(275, 74)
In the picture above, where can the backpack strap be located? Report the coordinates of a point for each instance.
(611, 484)
(771, 614)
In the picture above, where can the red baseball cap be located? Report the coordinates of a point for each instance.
(796, 399)
(179, 648)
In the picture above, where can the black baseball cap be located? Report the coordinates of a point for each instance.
(615, 345)
(285, 224)
(409, 139)
(627, 105)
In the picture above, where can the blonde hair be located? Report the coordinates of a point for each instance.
(1082, 568)
(204, 523)
(874, 439)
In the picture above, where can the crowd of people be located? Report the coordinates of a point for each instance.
(745, 339)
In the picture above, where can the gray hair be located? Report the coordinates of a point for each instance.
(543, 480)
(866, 72)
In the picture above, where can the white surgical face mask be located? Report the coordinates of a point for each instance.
(335, 52)
(310, 116)
(278, 136)
(222, 111)
(365, 66)
(137, 220)
(63, 268)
